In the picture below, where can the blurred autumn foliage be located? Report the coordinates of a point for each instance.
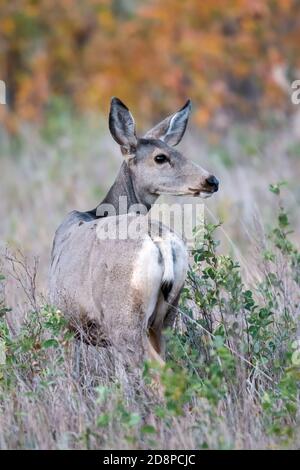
(238, 55)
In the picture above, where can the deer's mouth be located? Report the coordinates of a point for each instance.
(196, 192)
(170, 192)
(204, 194)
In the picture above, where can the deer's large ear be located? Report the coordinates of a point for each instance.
(171, 129)
(122, 125)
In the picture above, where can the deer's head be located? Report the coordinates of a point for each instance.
(156, 167)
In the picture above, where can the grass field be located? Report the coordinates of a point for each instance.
(233, 380)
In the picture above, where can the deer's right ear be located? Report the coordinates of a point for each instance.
(122, 125)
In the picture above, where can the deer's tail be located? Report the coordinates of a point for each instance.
(165, 248)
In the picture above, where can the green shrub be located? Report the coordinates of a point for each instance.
(233, 335)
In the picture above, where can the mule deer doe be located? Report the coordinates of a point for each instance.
(124, 291)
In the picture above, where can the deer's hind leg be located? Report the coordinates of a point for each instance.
(146, 282)
(165, 317)
(133, 302)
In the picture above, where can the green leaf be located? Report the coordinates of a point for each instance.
(274, 188)
(283, 219)
(103, 420)
(148, 429)
(50, 343)
(134, 419)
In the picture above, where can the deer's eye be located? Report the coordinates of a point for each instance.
(160, 159)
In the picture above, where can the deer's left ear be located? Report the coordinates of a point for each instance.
(171, 129)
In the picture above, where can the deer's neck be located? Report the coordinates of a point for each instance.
(121, 195)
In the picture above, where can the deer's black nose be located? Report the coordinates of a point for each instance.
(212, 182)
